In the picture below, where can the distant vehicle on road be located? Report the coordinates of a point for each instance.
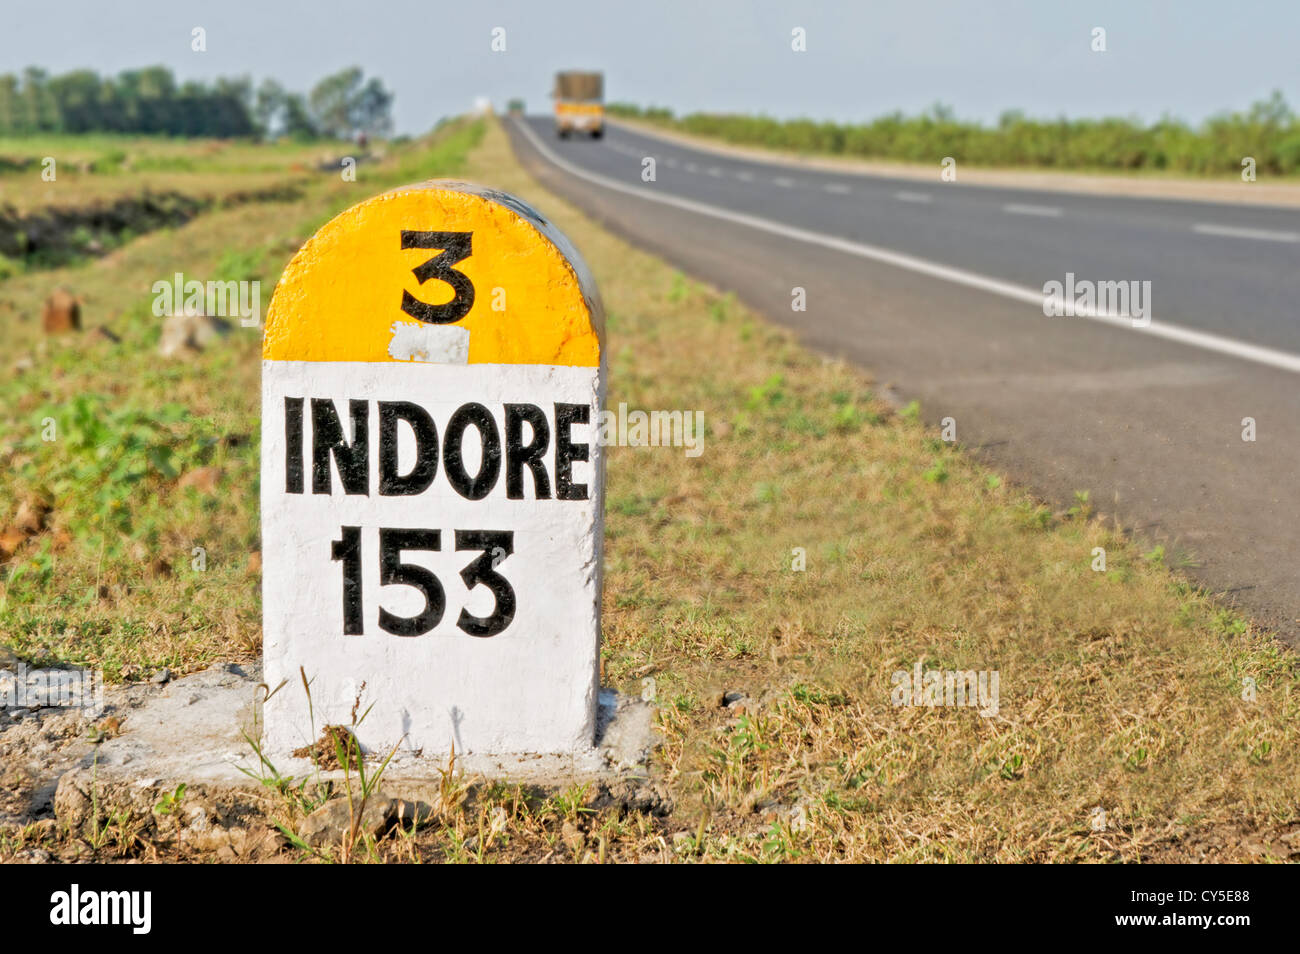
(579, 103)
(515, 107)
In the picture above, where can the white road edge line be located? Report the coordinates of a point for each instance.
(1017, 208)
(1233, 231)
(995, 286)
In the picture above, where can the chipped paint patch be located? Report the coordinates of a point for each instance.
(434, 344)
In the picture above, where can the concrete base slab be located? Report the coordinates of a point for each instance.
(199, 731)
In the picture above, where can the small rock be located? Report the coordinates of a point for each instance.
(574, 839)
(24, 363)
(62, 313)
(161, 677)
(198, 819)
(409, 815)
(31, 516)
(71, 805)
(9, 659)
(731, 699)
(331, 823)
(187, 335)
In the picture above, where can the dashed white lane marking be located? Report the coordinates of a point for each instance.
(714, 171)
(837, 188)
(670, 161)
(1204, 340)
(1233, 231)
(744, 176)
(912, 196)
(691, 167)
(784, 182)
(1018, 208)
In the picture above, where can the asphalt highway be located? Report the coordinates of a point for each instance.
(937, 289)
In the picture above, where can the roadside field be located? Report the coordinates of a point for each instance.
(107, 190)
(767, 593)
(89, 168)
(108, 581)
(1141, 183)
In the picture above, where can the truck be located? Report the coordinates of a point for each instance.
(579, 103)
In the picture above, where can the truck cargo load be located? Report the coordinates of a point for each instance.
(579, 103)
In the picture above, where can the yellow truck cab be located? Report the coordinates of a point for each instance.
(579, 103)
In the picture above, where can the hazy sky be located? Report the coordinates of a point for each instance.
(1190, 58)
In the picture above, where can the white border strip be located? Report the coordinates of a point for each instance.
(995, 286)
(1235, 231)
(1021, 208)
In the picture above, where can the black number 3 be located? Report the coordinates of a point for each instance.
(456, 246)
(496, 546)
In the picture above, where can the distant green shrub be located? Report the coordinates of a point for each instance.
(1268, 131)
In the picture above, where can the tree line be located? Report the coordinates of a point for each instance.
(1268, 132)
(150, 101)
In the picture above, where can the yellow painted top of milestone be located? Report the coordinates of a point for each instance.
(522, 292)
